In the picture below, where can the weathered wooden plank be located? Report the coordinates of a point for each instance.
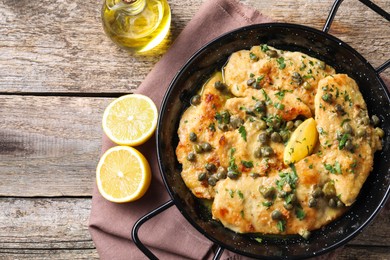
(59, 46)
(364, 253)
(56, 223)
(49, 254)
(56, 228)
(49, 146)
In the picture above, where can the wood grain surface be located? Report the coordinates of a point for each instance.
(58, 72)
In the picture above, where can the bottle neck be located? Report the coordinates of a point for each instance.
(131, 7)
(134, 6)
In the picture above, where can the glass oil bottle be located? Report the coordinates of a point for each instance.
(136, 25)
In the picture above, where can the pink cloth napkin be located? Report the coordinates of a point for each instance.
(168, 235)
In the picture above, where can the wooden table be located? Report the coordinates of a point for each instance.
(58, 72)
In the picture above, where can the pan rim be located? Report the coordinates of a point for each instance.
(164, 105)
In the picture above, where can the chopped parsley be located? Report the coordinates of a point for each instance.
(259, 78)
(281, 63)
(264, 47)
(212, 127)
(300, 214)
(223, 117)
(279, 106)
(343, 140)
(266, 97)
(335, 169)
(240, 194)
(247, 164)
(267, 203)
(242, 131)
(253, 56)
(259, 240)
(281, 225)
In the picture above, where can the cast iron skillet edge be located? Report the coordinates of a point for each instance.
(199, 66)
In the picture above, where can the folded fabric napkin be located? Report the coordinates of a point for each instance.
(168, 235)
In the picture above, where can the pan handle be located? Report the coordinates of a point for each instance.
(141, 221)
(148, 216)
(371, 5)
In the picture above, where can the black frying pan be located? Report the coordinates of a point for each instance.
(199, 68)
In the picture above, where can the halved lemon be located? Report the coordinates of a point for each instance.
(130, 119)
(302, 142)
(123, 174)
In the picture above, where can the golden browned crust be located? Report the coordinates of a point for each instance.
(290, 86)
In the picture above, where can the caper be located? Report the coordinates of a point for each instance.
(267, 192)
(365, 120)
(260, 106)
(198, 148)
(321, 65)
(274, 123)
(329, 189)
(363, 113)
(195, 100)
(256, 85)
(272, 53)
(339, 135)
(202, 176)
(296, 77)
(285, 135)
(275, 137)
(250, 112)
(257, 152)
(306, 85)
(193, 137)
(210, 167)
(276, 214)
(290, 125)
(236, 122)
(225, 116)
(266, 151)
(221, 173)
(379, 132)
(263, 138)
(191, 157)
(327, 97)
(261, 125)
(347, 128)
(332, 203)
(212, 181)
(219, 85)
(349, 145)
(232, 174)
(251, 81)
(223, 127)
(375, 120)
(312, 203)
(339, 109)
(317, 192)
(340, 204)
(297, 123)
(254, 175)
(293, 198)
(206, 147)
(361, 132)
(288, 206)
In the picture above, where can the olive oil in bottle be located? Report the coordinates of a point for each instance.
(136, 25)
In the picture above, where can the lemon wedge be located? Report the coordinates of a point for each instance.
(123, 174)
(302, 142)
(130, 119)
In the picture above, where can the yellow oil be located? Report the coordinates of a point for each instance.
(136, 27)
